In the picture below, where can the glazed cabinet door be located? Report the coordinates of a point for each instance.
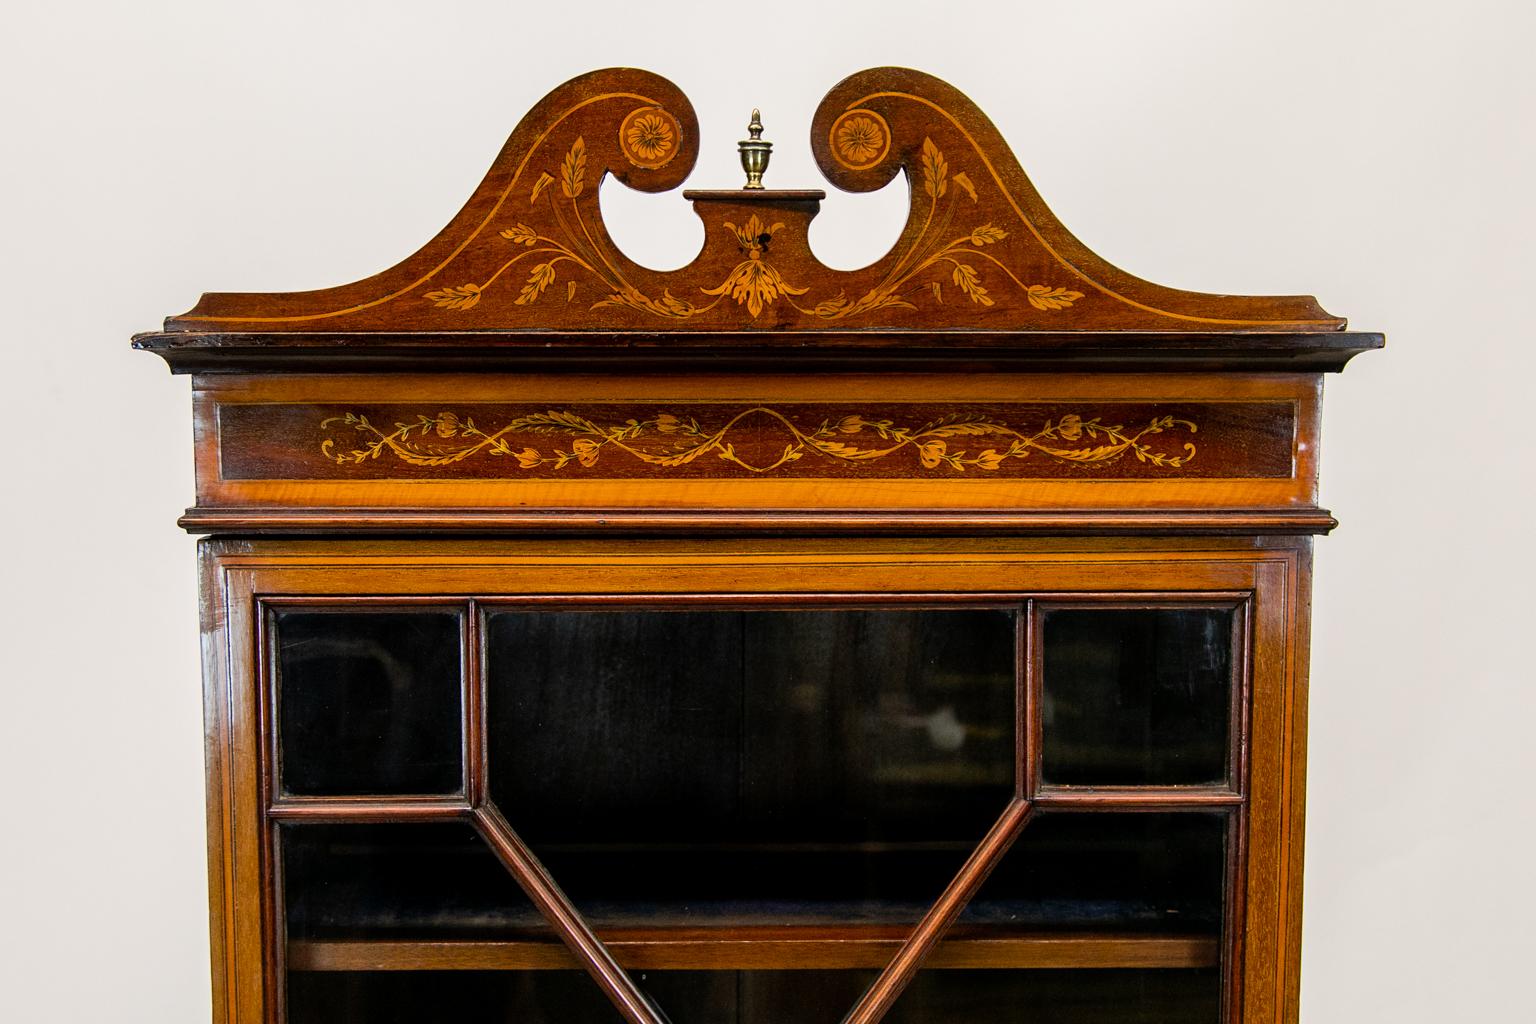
(755, 782)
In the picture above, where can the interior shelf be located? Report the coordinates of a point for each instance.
(766, 947)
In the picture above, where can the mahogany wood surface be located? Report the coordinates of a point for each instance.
(723, 451)
(784, 573)
(763, 949)
(728, 351)
(529, 251)
(517, 415)
(588, 951)
(924, 939)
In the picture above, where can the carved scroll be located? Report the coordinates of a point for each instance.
(529, 251)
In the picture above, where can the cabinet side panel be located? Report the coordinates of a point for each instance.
(214, 635)
(1300, 655)
(246, 881)
(1274, 857)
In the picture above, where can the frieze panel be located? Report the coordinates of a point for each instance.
(691, 439)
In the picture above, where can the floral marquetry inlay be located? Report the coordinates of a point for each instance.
(936, 257)
(754, 282)
(987, 424)
(860, 139)
(567, 243)
(650, 137)
(530, 251)
(935, 249)
(666, 439)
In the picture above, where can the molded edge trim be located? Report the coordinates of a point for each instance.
(1239, 522)
(491, 351)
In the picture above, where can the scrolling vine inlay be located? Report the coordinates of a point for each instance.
(754, 282)
(577, 244)
(667, 440)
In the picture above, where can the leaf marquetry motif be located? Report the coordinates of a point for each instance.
(955, 443)
(755, 283)
(975, 227)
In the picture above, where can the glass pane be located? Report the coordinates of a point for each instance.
(569, 997)
(1090, 917)
(760, 997)
(400, 882)
(1061, 997)
(1124, 872)
(1136, 696)
(460, 997)
(369, 908)
(740, 767)
(369, 702)
(944, 996)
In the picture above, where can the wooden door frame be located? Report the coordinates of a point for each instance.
(1265, 912)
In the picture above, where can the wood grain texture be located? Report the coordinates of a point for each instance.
(764, 948)
(925, 938)
(781, 573)
(588, 951)
(738, 440)
(713, 452)
(814, 352)
(1271, 945)
(249, 897)
(225, 958)
(991, 413)
(529, 251)
(1293, 840)
(620, 522)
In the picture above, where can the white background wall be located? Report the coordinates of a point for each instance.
(1377, 154)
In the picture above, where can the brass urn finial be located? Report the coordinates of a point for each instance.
(754, 152)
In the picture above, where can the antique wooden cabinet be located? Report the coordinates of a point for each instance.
(755, 642)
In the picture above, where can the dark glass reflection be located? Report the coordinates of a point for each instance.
(1136, 696)
(1092, 996)
(368, 702)
(761, 997)
(462, 997)
(400, 882)
(1101, 871)
(752, 765)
